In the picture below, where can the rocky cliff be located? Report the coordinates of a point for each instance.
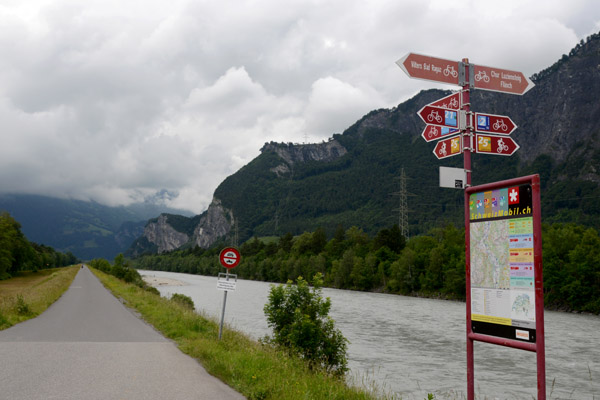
(163, 235)
(216, 222)
(292, 154)
(169, 232)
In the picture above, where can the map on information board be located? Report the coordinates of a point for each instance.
(502, 263)
(489, 245)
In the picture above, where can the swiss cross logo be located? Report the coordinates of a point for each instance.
(513, 195)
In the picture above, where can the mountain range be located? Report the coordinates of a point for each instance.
(86, 229)
(355, 178)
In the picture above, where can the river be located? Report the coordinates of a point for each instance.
(412, 346)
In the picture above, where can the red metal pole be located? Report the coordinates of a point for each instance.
(539, 288)
(467, 142)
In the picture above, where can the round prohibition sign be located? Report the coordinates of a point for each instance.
(229, 257)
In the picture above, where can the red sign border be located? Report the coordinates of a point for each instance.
(222, 253)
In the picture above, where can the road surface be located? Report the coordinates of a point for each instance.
(87, 345)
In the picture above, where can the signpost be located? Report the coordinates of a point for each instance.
(229, 258)
(439, 116)
(500, 80)
(497, 124)
(429, 68)
(448, 147)
(505, 302)
(434, 132)
(497, 145)
(452, 102)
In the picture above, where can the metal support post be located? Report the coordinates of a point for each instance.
(468, 147)
(223, 311)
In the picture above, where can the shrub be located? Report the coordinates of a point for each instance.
(184, 300)
(3, 321)
(152, 290)
(298, 315)
(21, 306)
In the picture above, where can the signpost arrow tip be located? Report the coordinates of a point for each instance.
(400, 63)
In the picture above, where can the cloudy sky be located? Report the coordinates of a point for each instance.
(120, 101)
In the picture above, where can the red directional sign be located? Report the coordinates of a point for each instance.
(429, 68)
(448, 147)
(496, 124)
(229, 257)
(500, 80)
(434, 132)
(498, 145)
(452, 102)
(439, 116)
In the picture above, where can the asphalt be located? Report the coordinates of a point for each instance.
(87, 345)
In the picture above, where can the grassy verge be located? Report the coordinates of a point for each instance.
(30, 293)
(257, 371)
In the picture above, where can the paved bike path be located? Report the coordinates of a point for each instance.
(88, 345)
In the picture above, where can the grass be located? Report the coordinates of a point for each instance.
(28, 294)
(259, 372)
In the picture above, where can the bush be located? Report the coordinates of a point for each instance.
(184, 300)
(21, 306)
(152, 290)
(299, 318)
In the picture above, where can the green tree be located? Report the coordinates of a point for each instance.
(16, 252)
(299, 317)
(286, 241)
(302, 244)
(342, 269)
(336, 246)
(318, 241)
(391, 238)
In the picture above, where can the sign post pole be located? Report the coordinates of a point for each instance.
(223, 311)
(229, 258)
(467, 146)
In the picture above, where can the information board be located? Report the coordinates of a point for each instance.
(502, 276)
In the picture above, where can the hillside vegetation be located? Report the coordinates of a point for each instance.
(19, 254)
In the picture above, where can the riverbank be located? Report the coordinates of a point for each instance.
(257, 371)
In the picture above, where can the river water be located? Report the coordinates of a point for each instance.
(411, 346)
